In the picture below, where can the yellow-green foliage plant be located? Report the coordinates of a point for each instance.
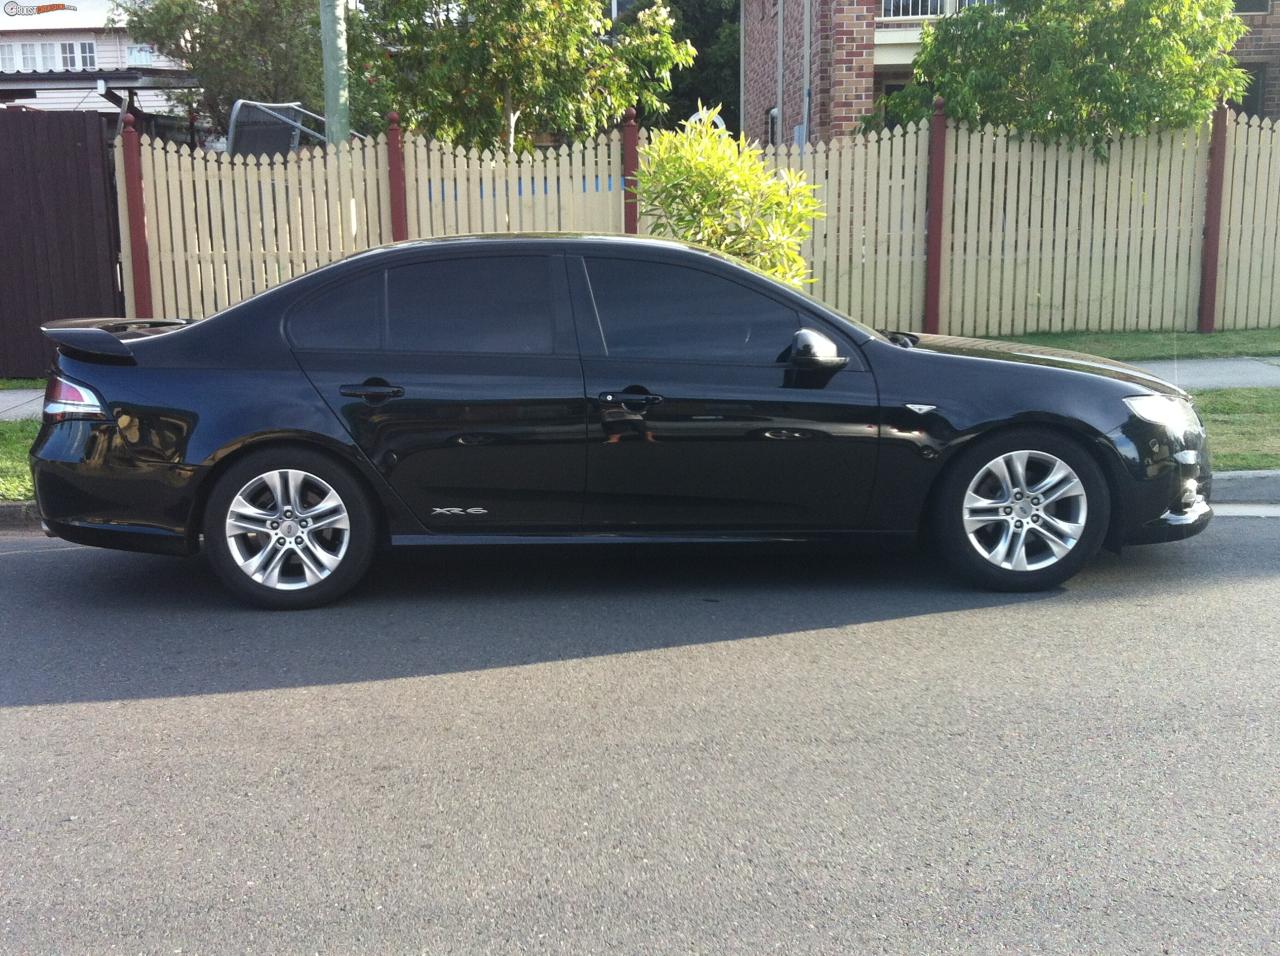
(702, 184)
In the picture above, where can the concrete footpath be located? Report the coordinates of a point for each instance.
(20, 403)
(1199, 374)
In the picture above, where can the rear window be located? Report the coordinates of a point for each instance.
(346, 315)
(498, 304)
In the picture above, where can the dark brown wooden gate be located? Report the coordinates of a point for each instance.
(59, 239)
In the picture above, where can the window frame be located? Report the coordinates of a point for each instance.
(591, 328)
(88, 50)
(7, 55)
(48, 56)
(26, 50)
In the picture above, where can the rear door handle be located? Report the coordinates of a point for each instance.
(371, 391)
(630, 398)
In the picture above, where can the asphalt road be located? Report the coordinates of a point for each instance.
(644, 751)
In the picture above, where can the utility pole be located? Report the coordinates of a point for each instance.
(333, 44)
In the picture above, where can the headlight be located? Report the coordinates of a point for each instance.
(1175, 414)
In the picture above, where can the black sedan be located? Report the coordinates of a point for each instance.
(533, 389)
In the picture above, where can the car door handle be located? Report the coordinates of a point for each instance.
(630, 398)
(371, 391)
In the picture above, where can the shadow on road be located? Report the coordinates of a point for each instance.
(94, 625)
(80, 624)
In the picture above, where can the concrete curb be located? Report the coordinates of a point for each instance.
(1246, 487)
(1229, 487)
(19, 516)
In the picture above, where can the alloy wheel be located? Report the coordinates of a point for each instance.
(1025, 510)
(287, 529)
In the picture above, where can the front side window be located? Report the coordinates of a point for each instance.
(346, 315)
(88, 56)
(496, 305)
(653, 310)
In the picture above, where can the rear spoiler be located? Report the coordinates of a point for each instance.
(104, 340)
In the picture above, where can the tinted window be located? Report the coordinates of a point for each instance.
(498, 304)
(345, 315)
(654, 310)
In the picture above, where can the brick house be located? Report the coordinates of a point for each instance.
(857, 50)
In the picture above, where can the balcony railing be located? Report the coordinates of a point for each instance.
(921, 9)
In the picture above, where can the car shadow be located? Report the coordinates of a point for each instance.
(91, 625)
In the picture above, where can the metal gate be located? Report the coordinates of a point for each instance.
(59, 238)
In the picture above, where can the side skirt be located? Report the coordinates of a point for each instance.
(655, 537)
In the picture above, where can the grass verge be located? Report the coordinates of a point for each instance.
(1244, 427)
(1137, 346)
(22, 383)
(15, 476)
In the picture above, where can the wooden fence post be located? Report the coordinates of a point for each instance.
(630, 163)
(139, 257)
(1213, 221)
(937, 195)
(395, 173)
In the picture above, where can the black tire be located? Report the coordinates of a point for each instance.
(948, 517)
(360, 541)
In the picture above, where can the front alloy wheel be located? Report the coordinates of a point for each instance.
(1025, 510)
(1021, 510)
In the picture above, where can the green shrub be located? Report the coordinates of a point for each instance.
(701, 184)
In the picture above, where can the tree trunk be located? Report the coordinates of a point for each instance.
(509, 117)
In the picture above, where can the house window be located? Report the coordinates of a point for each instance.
(48, 56)
(140, 55)
(1251, 103)
(88, 56)
(68, 56)
(7, 63)
(1253, 6)
(28, 56)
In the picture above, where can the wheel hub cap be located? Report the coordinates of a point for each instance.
(1025, 510)
(287, 529)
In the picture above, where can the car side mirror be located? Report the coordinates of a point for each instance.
(812, 349)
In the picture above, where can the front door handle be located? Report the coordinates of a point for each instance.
(630, 398)
(372, 391)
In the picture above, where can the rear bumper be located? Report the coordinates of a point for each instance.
(91, 490)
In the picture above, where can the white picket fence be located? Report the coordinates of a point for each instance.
(1036, 238)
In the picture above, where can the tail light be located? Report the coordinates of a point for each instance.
(65, 400)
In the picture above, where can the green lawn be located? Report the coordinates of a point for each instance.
(21, 383)
(1244, 427)
(15, 476)
(1136, 346)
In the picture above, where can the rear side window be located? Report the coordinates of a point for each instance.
(501, 304)
(653, 310)
(345, 315)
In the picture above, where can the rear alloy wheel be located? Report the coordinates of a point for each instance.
(1023, 511)
(289, 529)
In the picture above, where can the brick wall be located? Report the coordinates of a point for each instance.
(1259, 50)
(843, 35)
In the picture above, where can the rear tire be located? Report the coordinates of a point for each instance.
(289, 528)
(1023, 510)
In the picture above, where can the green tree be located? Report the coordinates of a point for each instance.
(485, 72)
(237, 49)
(704, 185)
(712, 27)
(1079, 71)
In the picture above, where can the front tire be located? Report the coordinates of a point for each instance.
(289, 528)
(1023, 510)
